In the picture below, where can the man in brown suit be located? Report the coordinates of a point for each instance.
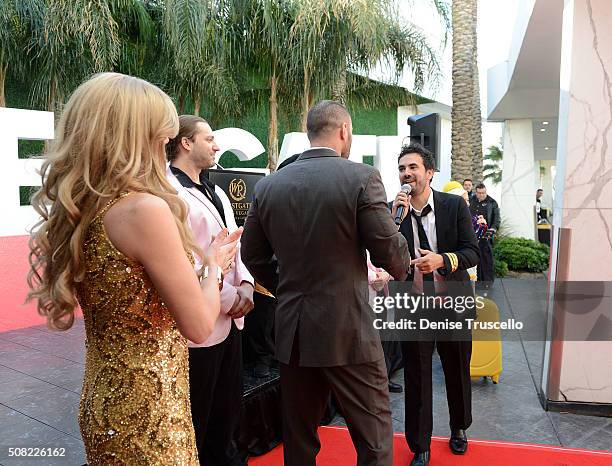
(305, 239)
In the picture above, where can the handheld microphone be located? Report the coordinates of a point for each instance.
(406, 188)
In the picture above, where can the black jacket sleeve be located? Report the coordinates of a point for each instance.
(495, 216)
(467, 251)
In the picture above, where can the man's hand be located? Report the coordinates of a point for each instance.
(223, 249)
(429, 261)
(481, 220)
(402, 199)
(244, 303)
(382, 278)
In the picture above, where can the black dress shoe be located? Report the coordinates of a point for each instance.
(420, 459)
(458, 442)
(395, 387)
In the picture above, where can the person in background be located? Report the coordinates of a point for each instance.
(288, 161)
(478, 222)
(538, 205)
(260, 322)
(215, 366)
(467, 185)
(258, 333)
(484, 206)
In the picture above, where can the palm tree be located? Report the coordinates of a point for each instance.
(138, 28)
(466, 136)
(335, 38)
(70, 39)
(198, 50)
(492, 169)
(266, 52)
(13, 36)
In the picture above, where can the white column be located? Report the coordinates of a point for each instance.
(518, 179)
(547, 184)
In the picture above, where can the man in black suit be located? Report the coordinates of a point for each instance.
(318, 216)
(438, 228)
(484, 205)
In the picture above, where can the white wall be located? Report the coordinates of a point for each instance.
(583, 192)
(519, 181)
(28, 124)
(18, 124)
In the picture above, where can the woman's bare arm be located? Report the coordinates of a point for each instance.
(142, 227)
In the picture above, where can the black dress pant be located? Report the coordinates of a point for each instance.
(257, 333)
(485, 269)
(362, 393)
(455, 357)
(215, 386)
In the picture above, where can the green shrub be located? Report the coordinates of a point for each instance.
(501, 268)
(522, 255)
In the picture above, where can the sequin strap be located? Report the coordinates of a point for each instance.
(111, 203)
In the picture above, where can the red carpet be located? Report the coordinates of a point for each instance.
(337, 450)
(14, 268)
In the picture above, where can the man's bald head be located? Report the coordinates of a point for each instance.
(329, 123)
(325, 117)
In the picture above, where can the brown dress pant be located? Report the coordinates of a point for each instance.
(362, 392)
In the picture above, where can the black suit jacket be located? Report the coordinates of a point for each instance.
(454, 233)
(317, 216)
(488, 209)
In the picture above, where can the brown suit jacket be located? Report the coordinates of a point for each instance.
(305, 239)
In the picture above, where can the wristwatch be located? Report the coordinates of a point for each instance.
(219, 276)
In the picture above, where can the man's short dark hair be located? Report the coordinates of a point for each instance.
(468, 179)
(481, 186)
(325, 116)
(539, 190)
(428, 159)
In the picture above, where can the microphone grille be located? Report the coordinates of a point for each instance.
(406, 188)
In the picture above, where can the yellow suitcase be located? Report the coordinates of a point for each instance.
(486, 345)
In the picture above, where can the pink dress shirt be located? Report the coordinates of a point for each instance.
(205, 222)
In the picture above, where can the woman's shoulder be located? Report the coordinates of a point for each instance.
(138, 211)
(139, 206)
(138, 222)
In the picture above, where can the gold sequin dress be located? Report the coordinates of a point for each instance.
(135, 400)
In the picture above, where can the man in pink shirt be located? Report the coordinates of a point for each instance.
(215, 366)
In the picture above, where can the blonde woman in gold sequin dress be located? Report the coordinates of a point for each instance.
(113, 239)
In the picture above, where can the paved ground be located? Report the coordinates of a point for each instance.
(41, 371)
(511, 410)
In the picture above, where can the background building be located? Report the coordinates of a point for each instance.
(554, 95)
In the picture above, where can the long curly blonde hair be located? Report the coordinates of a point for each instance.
(110, 139)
